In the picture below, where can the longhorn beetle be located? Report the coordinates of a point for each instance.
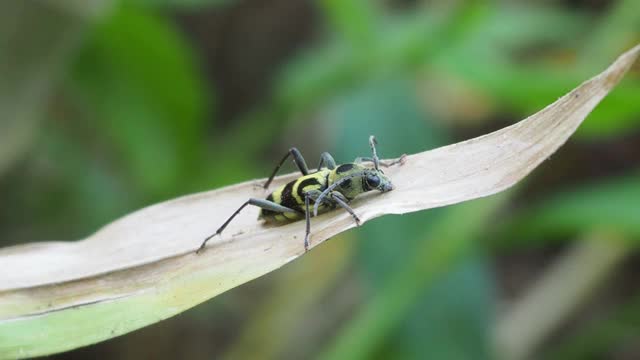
(330, 186)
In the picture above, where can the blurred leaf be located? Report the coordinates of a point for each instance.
(616, 30)
(619, 115)
(547, 304)
(36, 40)
(476, 40)
(430, 35)
(85, 9)
(527, 88)
(354, 20)
(182, 4)
(142, 268)
(60, 194)
(298, 290)
(52, 201)
(496, 53)
(454, 316)
(15, 138)
(598, 337)
(138, 82)
(450, 240)
(495, 57)
(610, 204)
(319, 75)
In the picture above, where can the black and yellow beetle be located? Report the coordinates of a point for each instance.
(328, 187)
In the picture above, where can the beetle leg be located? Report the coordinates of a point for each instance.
(327, 160)
(308, 220)
(261, 203)
(297, 159)
(361, 159)
(343, 202)
(385, 163)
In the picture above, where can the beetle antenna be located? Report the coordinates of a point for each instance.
(373, 142)
(326, 191)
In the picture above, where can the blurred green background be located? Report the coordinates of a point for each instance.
(108, 106)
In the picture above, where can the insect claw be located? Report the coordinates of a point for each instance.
(200, 249)
(204, 243)
(401, 160)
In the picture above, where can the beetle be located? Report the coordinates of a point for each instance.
(329, 187)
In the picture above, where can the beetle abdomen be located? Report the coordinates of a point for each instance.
(292, 194)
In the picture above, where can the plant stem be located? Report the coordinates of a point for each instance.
(561, 289)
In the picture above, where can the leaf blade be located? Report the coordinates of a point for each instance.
(148, 255)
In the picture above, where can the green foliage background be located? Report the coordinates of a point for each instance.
(106, 107)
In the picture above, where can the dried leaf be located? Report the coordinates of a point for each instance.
(142, 268)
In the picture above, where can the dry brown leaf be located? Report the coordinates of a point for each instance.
(142, 268)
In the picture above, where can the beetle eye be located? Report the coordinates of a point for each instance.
(373, 181)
